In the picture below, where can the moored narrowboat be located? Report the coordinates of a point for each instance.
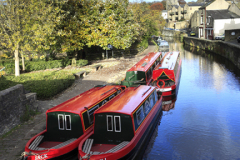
(123, 125)
(141, 72)
(67, 123)
(163, 46)
(166, 76)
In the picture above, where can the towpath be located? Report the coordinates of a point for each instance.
(13, 145)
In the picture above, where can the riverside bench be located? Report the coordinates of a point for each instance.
(97, 67)
(80, 74)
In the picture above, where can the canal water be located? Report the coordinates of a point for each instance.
(205, 121)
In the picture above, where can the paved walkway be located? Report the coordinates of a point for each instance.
(13, 145)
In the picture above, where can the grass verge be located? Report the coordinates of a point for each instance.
(45, 83)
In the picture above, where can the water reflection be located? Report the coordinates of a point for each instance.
(204, 122)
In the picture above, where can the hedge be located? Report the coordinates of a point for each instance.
(46, 84)
(40, 65)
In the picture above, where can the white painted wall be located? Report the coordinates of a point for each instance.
(164, 14)
(220, 25)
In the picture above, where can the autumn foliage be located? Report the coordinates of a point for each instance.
(157, 6)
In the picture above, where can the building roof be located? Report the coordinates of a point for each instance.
(207, 4)
(222, 14)
(195, 4)
(128, 101)
(87, 99)
(146, 62)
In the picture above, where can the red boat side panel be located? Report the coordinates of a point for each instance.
(126, 103)
(148, 59)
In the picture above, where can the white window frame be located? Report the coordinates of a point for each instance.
(69, 122)
(59, 122)
(119, 123)
(111, 122)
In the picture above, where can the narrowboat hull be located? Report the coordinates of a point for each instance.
(135, 148)
(68, 152)
(172, 91)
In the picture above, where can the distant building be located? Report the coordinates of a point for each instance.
(164, 14)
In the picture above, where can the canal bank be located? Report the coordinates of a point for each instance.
(225, 49)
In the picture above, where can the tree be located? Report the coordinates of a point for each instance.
(157, 6)
(149, 20)
(99, 23)
(28, 25)
(181, 2)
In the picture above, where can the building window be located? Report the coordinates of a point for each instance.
(109, 123)
(117, 122)
(209, 19)
(61, 122)
(201, 32)
(68, 122)
(201, 19)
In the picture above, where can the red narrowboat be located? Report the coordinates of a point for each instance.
(67, 123)
(141, 72)
(166, 76)
(123, 126)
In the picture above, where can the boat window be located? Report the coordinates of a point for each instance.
(113, 95)
(156, 96)
(109, 123)
(61, 121)
(146, 107)
(151, 99)
(140, 115)
(68, 122)
(117, 123)
(105, 101)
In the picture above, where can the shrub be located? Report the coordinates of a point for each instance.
(81, 62)
(46, 84)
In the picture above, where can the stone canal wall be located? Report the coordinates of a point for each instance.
(13, 102)
(227, 50)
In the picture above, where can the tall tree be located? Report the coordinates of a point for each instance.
(25, 24)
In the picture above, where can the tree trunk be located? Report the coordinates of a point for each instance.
(17, 71)
(23, 63)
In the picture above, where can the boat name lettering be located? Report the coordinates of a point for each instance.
(41, 157)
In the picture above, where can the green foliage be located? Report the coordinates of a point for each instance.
(37, 65)
(81, 62)
(144, 43)
(46, 84)
(28, 114)
(149, 20)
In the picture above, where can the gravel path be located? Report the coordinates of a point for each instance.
(13, 145)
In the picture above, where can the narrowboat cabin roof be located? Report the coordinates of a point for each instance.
(146, 62)
(128, 100)
(86, 99)
(169, 61)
